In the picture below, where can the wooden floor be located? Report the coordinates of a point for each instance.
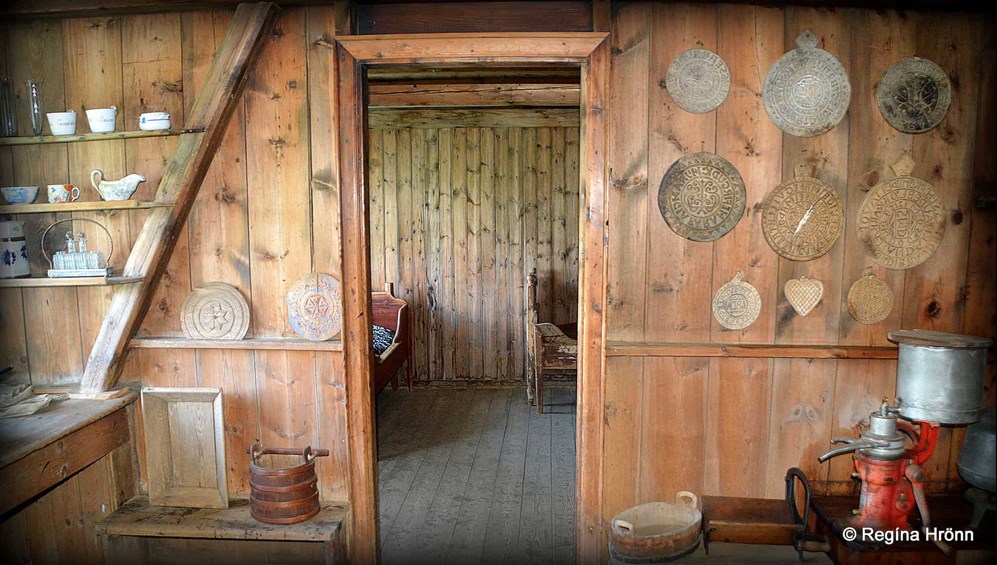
(476, 476)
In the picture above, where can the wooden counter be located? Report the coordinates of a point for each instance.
(44, 449)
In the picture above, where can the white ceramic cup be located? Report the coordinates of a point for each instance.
(62, 193)
(102, 119)
(62, 123)
(152, 121)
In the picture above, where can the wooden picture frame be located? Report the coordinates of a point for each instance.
(185, 447)
(588, 51)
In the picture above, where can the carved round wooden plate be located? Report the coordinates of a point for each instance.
(315, 307)
(870, 300)
(914, 95)
(698, 80)
(902, 220)
(737, 304)
(701, 197)
(806, 92)
(802, 218)
(215, 311)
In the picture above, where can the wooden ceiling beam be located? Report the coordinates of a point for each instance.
(473, 95)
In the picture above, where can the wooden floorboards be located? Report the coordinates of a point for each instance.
(476, 476)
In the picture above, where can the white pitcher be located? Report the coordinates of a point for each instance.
(13, 251)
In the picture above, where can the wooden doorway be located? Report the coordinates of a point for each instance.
(354, 55)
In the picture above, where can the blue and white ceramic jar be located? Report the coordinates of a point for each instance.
(13, 251)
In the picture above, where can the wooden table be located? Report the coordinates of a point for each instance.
(40, 451)
(135, 531)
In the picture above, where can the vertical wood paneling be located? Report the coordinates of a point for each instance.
(627, 261)
(464, 206)
(674, 389)
(750, 39)
(277, 137)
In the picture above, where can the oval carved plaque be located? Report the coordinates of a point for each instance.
(701, 197)
(698, 80)
(802, 218)
(806, 91)
(902, 220)
(315, 307)
(914, 95)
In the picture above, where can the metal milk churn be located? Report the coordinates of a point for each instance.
(13, 251)
(940, 376)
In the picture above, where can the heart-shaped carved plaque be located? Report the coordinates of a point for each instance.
(803, 294)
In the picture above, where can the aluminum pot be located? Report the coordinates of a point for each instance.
(978, 460)
(940, 376)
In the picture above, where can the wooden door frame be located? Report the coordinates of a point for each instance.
(587, 50)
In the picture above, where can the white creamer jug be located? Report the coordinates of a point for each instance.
(13, 251)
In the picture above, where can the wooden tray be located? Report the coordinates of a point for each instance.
(185, 447)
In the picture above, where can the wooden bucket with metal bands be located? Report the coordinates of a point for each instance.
(283, 485)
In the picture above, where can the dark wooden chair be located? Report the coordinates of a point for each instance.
(552, 349)
(392, 313)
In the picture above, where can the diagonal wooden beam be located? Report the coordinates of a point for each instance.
(182, 179)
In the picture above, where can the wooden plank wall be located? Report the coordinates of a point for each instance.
(266, 215)
(730, 426)
(459, 217)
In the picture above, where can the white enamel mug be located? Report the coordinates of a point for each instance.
(62, 123)
(102, 119)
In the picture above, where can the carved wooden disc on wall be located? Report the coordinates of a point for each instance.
(802, 218)
(698, 80)
(701, 197)
(803, 294)
(902, 220)
(806, 91)
(215, 311)
(315, 307)
(737, 304)
(914, 95)
(870, 300)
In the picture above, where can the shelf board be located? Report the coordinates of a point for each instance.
(253, 343)
(36, 282)
(80, 207)
(81, 137)
(749, 350)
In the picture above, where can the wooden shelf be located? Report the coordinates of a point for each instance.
(253, 343)
(36, 282)
(80, 207)
(81, 137)
(138, 518)
(749, 350)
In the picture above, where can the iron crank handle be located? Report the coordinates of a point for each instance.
(915, 474)
(852, 445)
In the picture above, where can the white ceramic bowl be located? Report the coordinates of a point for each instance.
(19, 194)
(62, 123)
(153, 121)
(102, 119)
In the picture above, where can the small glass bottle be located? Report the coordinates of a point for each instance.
(35, 106)
(8, 115)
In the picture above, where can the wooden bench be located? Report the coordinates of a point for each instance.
(392, 313)
(552, 349)
(140, 533)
